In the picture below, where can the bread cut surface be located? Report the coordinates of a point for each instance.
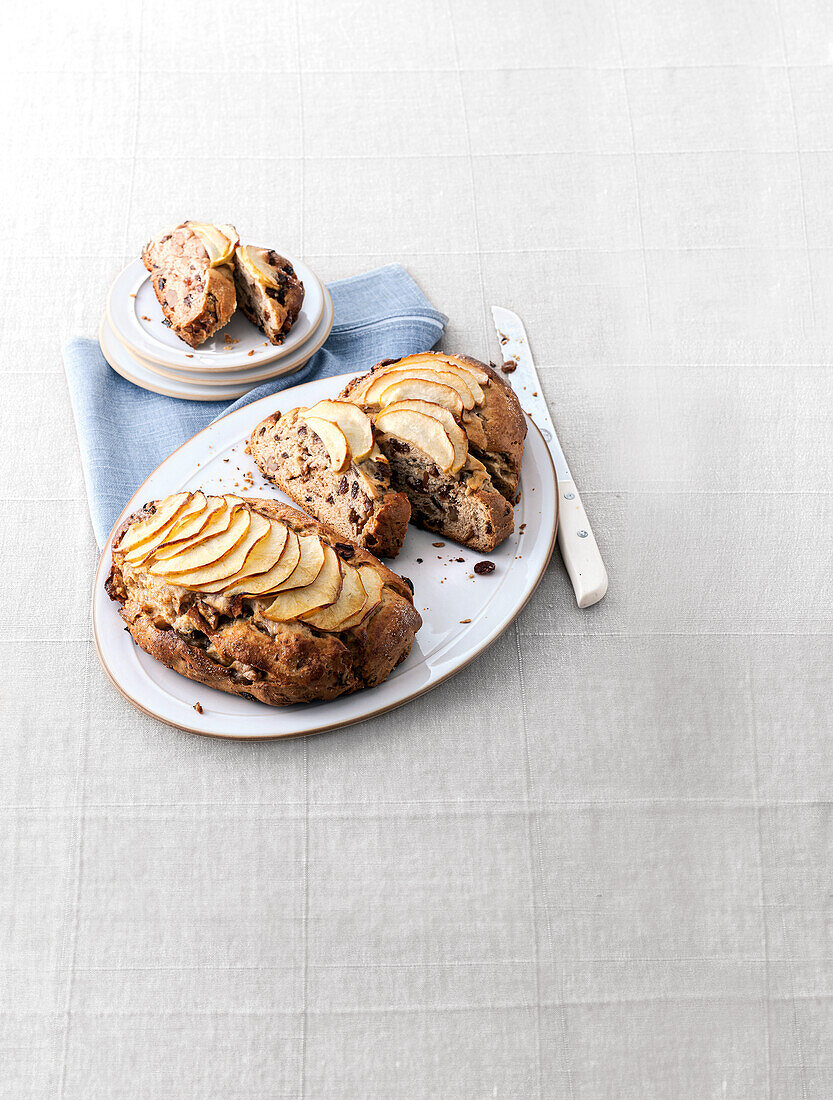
(464, 507)
(268, 290)
(355, 499)
(280, 610)
(195, 288)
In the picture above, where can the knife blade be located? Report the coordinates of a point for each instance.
(576, 540)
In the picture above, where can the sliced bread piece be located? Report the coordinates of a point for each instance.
(491, 414)
(453, 433)
(268, 290)
(343, 482)
(191, 273)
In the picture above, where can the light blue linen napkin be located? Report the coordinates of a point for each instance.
(124, 432)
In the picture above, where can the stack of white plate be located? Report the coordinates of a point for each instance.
(140, 347)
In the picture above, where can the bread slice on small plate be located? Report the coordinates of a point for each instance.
(268, 290)
(192, 276)
(325, 459)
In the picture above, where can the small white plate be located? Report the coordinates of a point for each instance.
(254, 374)
(462, 613)
(157, 380)
(138, 321)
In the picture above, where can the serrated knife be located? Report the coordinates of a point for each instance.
(576, 540)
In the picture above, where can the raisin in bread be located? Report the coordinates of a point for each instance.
(255, 599)
(453, 433)
(326, 460)
(191, 270)
(268, 290)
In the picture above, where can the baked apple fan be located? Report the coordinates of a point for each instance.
(251, 597)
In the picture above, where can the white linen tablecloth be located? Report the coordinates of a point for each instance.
(597, 863)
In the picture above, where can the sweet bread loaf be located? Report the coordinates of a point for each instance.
(453, 433)
(191, 270)
(250, 597)
(324, 458)
(268, 290)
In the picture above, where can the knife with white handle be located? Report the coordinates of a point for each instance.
(575, 535)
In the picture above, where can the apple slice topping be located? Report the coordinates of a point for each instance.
(219, 240)
(190, 524)
(265, 554)
(321, 592)
(351, 599)
(239, 551)
(425, 433)
(373, 585)
(145, 550)
(371, 390)
(353, 421)
(265, 584)
(448, 362)
(310, 564)
(256, 263)
(165, 516)
(207, 551)
(218, 521)
(333, 439)
(455, 433)
(217, 576)
(473, 378)
(422, 389)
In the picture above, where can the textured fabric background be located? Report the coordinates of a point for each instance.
(597, 863)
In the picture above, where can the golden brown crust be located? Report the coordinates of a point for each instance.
(388, 630)
(293, 662)
(504, 426)
(286, 679)
(386, 529)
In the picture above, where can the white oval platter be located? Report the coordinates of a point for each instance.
(137, 319)
(462, 613)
